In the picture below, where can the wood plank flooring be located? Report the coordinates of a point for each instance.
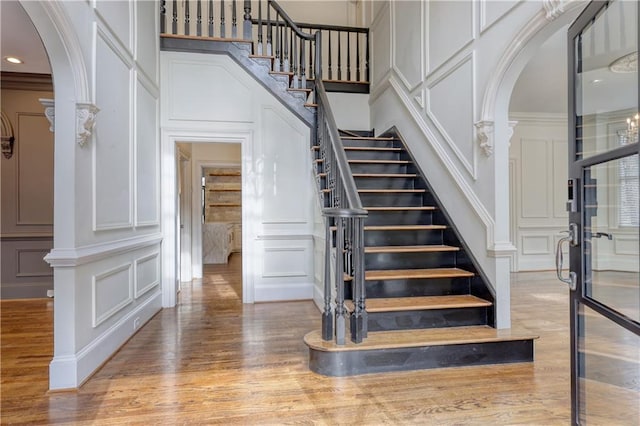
(212, 360)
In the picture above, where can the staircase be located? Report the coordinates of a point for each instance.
(426, 302)
(405, 287)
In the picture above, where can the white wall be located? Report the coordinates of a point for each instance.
(106, 254)
(442, 73)
(208, 98)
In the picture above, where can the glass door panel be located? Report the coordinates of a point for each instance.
(610, 371)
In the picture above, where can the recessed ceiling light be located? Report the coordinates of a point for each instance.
(596, 81)
(13, 60)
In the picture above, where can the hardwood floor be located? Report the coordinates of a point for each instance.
(214, 360)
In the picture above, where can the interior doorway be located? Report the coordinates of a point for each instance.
(209, 201)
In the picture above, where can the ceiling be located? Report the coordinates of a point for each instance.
(19, 38)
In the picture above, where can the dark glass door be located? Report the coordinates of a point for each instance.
(603, 237)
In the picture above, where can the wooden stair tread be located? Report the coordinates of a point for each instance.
(230, 172)
(384, 175)
(404, 227)
(225, 205)
(370, 148)
(379, 161)
(399, 274)
(393, 208)
(366, 138)
(311, 105)
(397, 304)
(389, 190)
(410, 249)
(418, 338)
(293, 89)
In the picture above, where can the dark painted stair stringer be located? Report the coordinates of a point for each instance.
(428, 303)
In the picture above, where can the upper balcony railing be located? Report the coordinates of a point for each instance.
(345, 50)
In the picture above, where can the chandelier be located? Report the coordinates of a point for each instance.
(632, 128)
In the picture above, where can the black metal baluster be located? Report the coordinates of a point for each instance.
(329, 54)
(339, 56)
(348, 56)
(163, 16)
(186, 17)
(303, 77)
(276, 62)
(234, 21)
(174, 22)
(269, 30)
(260, 28)
(210, 18)
(357, 56)
(223, 31)
(199, 18)
(246, 25)
(291, 52)
(285, 53)
(296, 81)
(310, 72)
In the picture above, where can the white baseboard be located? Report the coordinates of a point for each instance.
(70, 371)
(281, 292)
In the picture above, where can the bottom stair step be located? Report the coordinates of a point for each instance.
(418, 349)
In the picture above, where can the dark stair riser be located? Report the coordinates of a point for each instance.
(349, 363)
(378, 168)
(391, 199)
(399, 217)
(384, 183)
(372, 155)
(414, 287)
(379, 261)
(369, 143)
(402, 238)
(437, 318)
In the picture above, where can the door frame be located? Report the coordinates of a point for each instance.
(575, 170)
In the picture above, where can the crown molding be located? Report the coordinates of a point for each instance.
(26, 81)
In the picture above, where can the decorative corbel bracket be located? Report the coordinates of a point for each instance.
(554, 8)
(85, 120)
(49, 112)
(484, 130)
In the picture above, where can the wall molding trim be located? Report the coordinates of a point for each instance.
(71, 257)
(26, 81)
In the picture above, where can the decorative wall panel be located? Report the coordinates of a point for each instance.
(30, 263)
(146, 53)
(112, 148)
(147, 274)
(222, 99)
(117, 15)
(443, 42)
(535, 244)
(408, 36)
(34, 154)
(147, 161)
(381, 43)
(449, 107)
(111, 292)
(534, 178)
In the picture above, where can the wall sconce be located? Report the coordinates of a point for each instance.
(7, 136)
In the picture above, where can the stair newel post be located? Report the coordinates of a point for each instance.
(358, 319)
(223, 31)
(276, 61)
(339, 56)
(348, 56)
(186, 17)
(269, 30)
(327, 314)
(259, 51)
(199, 18)
(174, 16)
(357, 56)
(163, 16)
(234, 20)
(210, 10)
(340, 308)
(246, 25)
(285, 52)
